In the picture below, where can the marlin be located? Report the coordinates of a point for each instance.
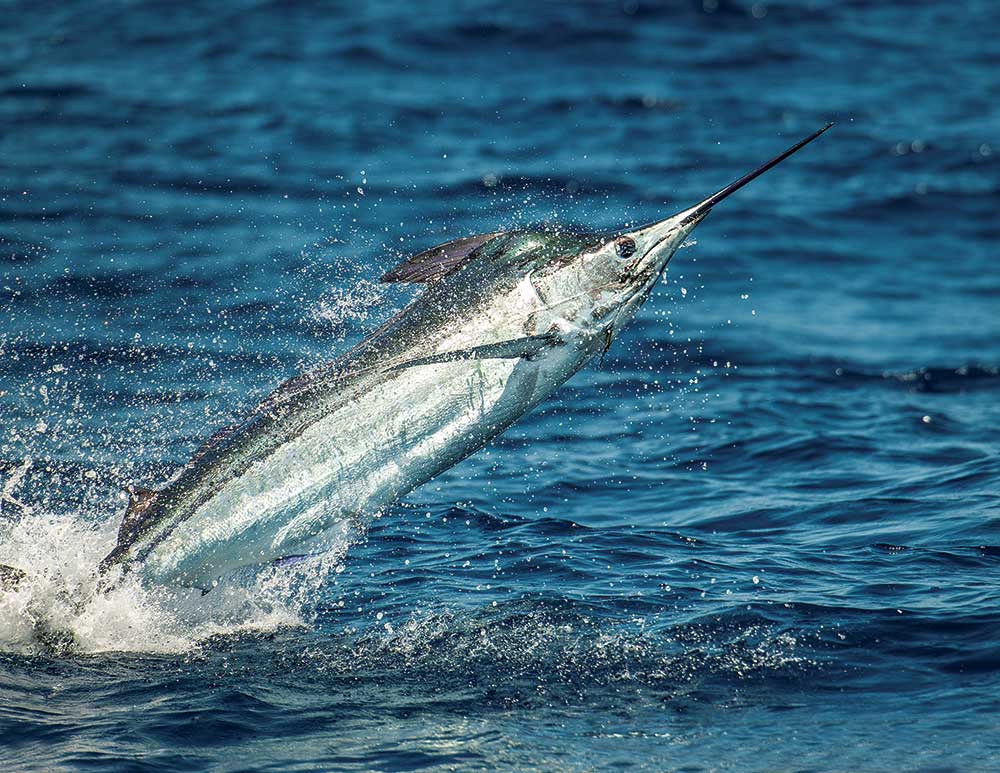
(504, 319)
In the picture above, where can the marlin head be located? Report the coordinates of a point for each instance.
(617, 273)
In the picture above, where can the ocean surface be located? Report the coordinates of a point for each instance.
(763, 533)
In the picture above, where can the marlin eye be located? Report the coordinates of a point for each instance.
(625, 247)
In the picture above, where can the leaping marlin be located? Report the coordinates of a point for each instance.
(505, 318)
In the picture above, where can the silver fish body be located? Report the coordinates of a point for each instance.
(332, 447)
(504, 320)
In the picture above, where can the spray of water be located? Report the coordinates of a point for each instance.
(58, 606)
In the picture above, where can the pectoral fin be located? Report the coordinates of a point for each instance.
(518, 348)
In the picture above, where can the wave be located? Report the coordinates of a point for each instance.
(932, 379)
(14, 250)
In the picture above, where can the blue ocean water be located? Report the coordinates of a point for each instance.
(763, 533)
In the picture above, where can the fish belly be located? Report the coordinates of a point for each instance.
(353, 462)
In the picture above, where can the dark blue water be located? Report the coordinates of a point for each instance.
(764, 533)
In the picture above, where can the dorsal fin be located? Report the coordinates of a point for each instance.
(139, 501)
(430, 265)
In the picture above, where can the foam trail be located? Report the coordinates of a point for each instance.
(58, 607)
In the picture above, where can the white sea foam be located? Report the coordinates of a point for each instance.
(58, 605)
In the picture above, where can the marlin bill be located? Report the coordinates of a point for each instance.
(503, 319)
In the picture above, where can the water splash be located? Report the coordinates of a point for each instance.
(10, 486)
(58, 607)
(342, 305)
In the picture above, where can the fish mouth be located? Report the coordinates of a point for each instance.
(691, 220)
(703, 207)
(643, 271)
(668, 234)
(677, 226)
